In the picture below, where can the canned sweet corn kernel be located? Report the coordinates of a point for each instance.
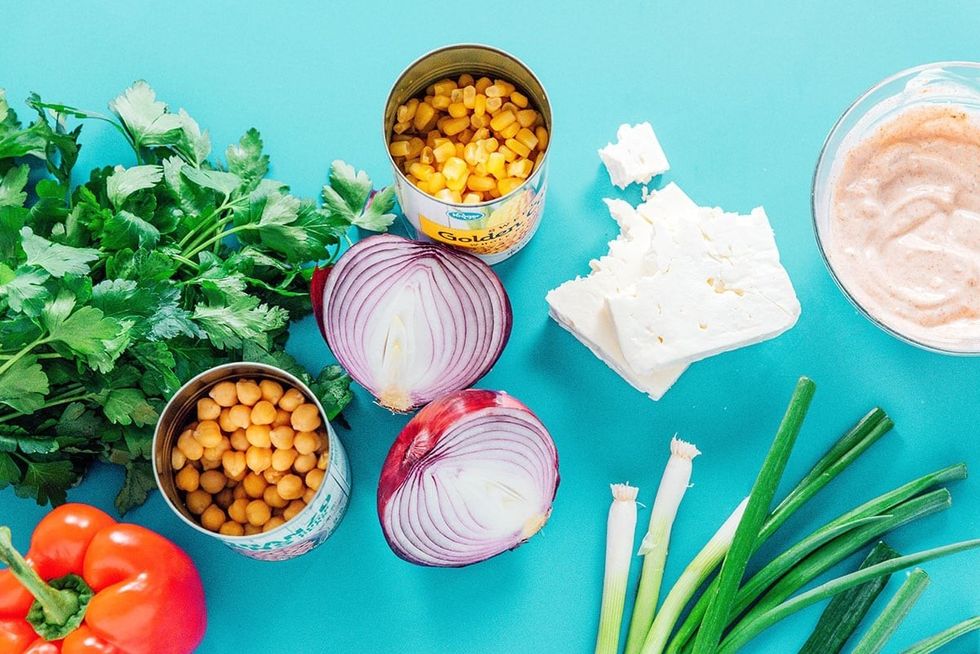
(467, 129)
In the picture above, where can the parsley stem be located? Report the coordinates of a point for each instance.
(217, 238)
(25, 350)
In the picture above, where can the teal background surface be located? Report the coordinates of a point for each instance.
(741, 96)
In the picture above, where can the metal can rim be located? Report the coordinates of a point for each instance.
(158, 430)
(490, 48)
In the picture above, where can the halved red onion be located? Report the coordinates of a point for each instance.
(472, 475)
(412, 321)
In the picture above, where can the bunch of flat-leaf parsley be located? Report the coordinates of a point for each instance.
(115, 292)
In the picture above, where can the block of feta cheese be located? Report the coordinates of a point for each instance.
(636, 157)
(580, 305)
(712, 282)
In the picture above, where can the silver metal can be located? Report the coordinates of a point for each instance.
(296, 536)
(492, 230)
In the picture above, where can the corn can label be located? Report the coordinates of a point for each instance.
(492, 231)
(312, 525)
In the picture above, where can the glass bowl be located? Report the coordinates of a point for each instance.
(951, 82)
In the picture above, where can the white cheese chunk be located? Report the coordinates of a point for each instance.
(712, 283)
(580, 304)
(636, 157)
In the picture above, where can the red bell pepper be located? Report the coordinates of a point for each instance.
(91, 585)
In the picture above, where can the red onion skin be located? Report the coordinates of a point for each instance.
(423, 432)
(317, 284)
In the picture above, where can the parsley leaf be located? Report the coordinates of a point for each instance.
(353, 187)
(48, 481)
(146, 118)
(241, 319)
(12, 186)
(127, 230)
(332, 387)
(377, 216)
(83, 330)
(137, 486)
(125, 181)
(246, 159)
(128, 406)
(55, 258)
(24, 385)
(23, 288)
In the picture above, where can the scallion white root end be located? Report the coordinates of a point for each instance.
(619, 552)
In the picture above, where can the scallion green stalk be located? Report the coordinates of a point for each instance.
(619, 552)
(845, 451)
(844, 613)
(898, 607)
(943, 638)
(690, 580)
(653, 548)
(749, 629)
(733, 568)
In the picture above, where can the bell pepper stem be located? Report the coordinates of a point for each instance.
(59, 607)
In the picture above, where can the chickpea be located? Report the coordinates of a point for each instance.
(188, 479)
(233, 463)
(259, 435)
(314, 478)
(282, 418)
(306, 442)
(208, 409)
(254, 484)
(293, 509)
(290, 487)
(215, 452)
(323, 460)
(251, 530)
(237, 510)
(257, 513)
(238, 440)
(309, 495)
(273, 498)
(224, 421)
(282, 436)
(212, 481)
(248, 392)
(238, 492)
(224, 393)
(231, 528)
(212, 518)
(224, 498)
(210, 464)
(208, 433)
(189, 446)
(177, 459)
(304, 463)
(271, 390)
(306, 417)
(197, 501)
(263, 413)
(240, 415)
(273, 523)
(272, 475)
(283, 459)
(291, 399)
(258, 458)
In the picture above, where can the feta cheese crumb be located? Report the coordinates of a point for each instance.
(636, 157)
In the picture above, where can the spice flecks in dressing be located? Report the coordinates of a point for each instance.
(905, 225)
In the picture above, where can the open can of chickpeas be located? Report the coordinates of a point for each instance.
(467, 128)
(244, 453)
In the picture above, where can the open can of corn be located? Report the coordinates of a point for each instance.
(258, 522)
(467, 128)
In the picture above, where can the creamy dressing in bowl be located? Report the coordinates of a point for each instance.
(899, 216)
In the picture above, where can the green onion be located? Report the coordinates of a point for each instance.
(837, 550)
(750, 628)
(898, 607)
(747, 534)
(619, 552)
(845, 611)
(851, 445)
(932, 643)
(673, 485)
(690, 580)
